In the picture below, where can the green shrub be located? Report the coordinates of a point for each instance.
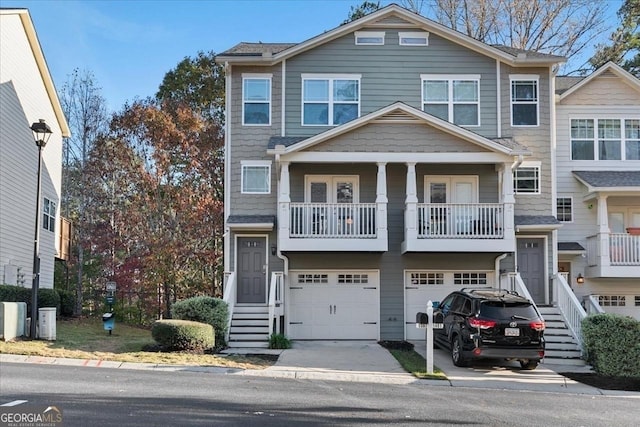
(612, 344)
(46, 297)
(181, 335)
(204, 309)
(67, 302)
(279, 341)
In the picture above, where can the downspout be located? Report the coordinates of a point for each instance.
(283, 257)
(227, 164)
(516, 164)
(497, 268)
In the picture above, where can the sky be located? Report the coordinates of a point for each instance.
(129, 45)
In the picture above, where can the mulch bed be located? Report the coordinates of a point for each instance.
(605, 382)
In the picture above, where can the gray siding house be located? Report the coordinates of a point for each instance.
(378, 166)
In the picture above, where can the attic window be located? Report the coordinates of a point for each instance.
(414, 39)
(369, 38)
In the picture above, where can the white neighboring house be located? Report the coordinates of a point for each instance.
(598, 187)
(27, 94)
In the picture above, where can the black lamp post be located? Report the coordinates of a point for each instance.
(41, 134)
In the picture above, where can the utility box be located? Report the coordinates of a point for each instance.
(108, 321)
(47, 323)
(12, 319)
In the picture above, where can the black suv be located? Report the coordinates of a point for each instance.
(491, 324)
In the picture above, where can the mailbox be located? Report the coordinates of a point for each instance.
(438, 320)
(422, 320)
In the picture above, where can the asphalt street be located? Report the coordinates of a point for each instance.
(122, 397)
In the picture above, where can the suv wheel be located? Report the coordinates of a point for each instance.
(456, 352)
(529, 365)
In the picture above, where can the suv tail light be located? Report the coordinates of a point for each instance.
(537, 325)
(482, 323)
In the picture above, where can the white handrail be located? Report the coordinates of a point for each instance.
(229, 296)
(275, 301)
(517, 285)
(460, 220)
(333, 220)
(593, 305)
(569, 306)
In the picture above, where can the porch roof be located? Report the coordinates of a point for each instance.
(570, 247)
(610, 181)
(536, 222)
(251, 222)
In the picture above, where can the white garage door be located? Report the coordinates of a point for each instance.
(334, 305)
(422, 286)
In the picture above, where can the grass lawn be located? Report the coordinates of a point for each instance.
(86, 339)
(415, 364)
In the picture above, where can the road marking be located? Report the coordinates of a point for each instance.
(15, 403)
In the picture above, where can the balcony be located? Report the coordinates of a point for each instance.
(333, 227)
(459, 227)
(613, 255)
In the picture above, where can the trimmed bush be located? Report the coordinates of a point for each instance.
(183, 335)
(204, 309)
(612, 344)
(46, 297)
(67, 302)
(279, 342)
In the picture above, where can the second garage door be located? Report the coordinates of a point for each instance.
(334, 305)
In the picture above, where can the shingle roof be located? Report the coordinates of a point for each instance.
(530, 53)
(570, 246)
(510, 143)
(610, 178)
(284, 140)
(251, 219)
(535, 220)
(256, 49)
(564, 83)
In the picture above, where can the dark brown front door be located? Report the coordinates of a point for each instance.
(251, 270)
(531, 267)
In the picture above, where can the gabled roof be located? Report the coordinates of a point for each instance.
(269, 54)
(609, 180)
(41, 63)
(399, 111)
(627, 77)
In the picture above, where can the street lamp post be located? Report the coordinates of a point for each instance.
(41, 134)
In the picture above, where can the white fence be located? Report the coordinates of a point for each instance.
(333, 220)
(460, 220)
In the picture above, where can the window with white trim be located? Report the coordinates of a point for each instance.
(564, 209)
(256, 177)
(526, 178)
(369, 38)
(469, 278)
(330, 100)
(313, 278)
(420, 38)
(612, 300)
(49, 215)
(524, 100)
(427, 278)
(353, 278)
(615, 139)
(452, 98)
(256, 100)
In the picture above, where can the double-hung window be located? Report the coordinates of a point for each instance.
(256, 177)
(605, 139)
(564, 209)
(256, 99)
(452, 98)
(524, 100)
(526, 178)
(330, 100)
(49, 215)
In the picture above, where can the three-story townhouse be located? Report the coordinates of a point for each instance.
(378, 166)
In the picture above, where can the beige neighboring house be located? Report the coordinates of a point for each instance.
(598, 188)
(27, 94)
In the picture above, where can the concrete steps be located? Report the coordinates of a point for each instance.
(249, 327)
(561, 348)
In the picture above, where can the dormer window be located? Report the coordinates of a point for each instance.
(369, 38)
(414, 38)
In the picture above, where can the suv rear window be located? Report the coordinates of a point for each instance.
(502, 310)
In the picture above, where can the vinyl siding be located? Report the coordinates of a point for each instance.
(24, 100)
(605, 90)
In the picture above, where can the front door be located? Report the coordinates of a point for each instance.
(332, 212)
(531, 267)
(252, 270)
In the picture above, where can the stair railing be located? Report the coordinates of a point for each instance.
(592, 305)
(229, 296)
(275, 301)
(516, 284)
(569, 306)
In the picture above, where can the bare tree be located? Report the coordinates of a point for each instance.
(415, 6)
(559, 27)
(86, 112)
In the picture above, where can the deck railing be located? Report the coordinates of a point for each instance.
(624, 249)
(333, 220)
(229, 296)
(460, 220)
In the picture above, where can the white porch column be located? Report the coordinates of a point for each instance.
(381, 201)
(508, 200)
(284, 200)
(604, 260)
(411, 205)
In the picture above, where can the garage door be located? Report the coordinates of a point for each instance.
(422, 286)
(334, 305)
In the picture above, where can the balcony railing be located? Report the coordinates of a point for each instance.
(333, 220)
(624, 249)
(460, 221)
